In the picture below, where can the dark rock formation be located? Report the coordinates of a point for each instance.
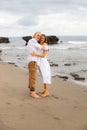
(67, 64)
(63, 77)
(77, 77)
(53, 64)
(0, 51)
(11, 63)
(74, 74)
(50, 39)
(26, 38)
(4, 40)
(0, 54)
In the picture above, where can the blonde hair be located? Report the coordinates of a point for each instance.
(35, 34)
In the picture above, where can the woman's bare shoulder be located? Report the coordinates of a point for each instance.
(45, 44)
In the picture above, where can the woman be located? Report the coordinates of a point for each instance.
(44, 66)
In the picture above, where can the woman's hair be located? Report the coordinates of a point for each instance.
(45, 40)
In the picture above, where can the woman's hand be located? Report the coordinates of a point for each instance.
(33, 54)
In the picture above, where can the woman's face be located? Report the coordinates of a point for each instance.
(42, 38)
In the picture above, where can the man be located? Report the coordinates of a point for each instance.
(33, 46)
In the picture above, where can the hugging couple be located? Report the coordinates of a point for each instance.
(37, 50)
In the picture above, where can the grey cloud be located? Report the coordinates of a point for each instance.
(39, 6)
(28, 20)
(29, 10)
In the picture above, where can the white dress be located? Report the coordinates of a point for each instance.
(44, 68)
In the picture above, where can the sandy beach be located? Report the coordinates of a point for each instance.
(64, 109)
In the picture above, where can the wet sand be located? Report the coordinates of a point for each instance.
(64, 109)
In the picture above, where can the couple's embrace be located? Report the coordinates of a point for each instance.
(37, 51)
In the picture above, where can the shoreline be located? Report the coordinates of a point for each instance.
(64, 109)
(60, 65)
(67, 77)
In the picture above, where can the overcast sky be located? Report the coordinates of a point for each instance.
(58, 17)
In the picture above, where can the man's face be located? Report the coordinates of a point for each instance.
(38, 36)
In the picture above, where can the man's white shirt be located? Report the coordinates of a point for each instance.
(33, 46)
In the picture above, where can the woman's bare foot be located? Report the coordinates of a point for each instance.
(34, 95)
(45, 94)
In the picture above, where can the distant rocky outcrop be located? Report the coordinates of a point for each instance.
(4, 40)
(26, 38)
(50, 39)
(0, 51)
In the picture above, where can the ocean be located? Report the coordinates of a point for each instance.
(67, 57)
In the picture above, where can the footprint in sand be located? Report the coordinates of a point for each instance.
(8, 103)
(54, 96)
(75, 106)
(56, 118)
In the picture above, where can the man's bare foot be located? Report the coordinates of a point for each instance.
(34, 95)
